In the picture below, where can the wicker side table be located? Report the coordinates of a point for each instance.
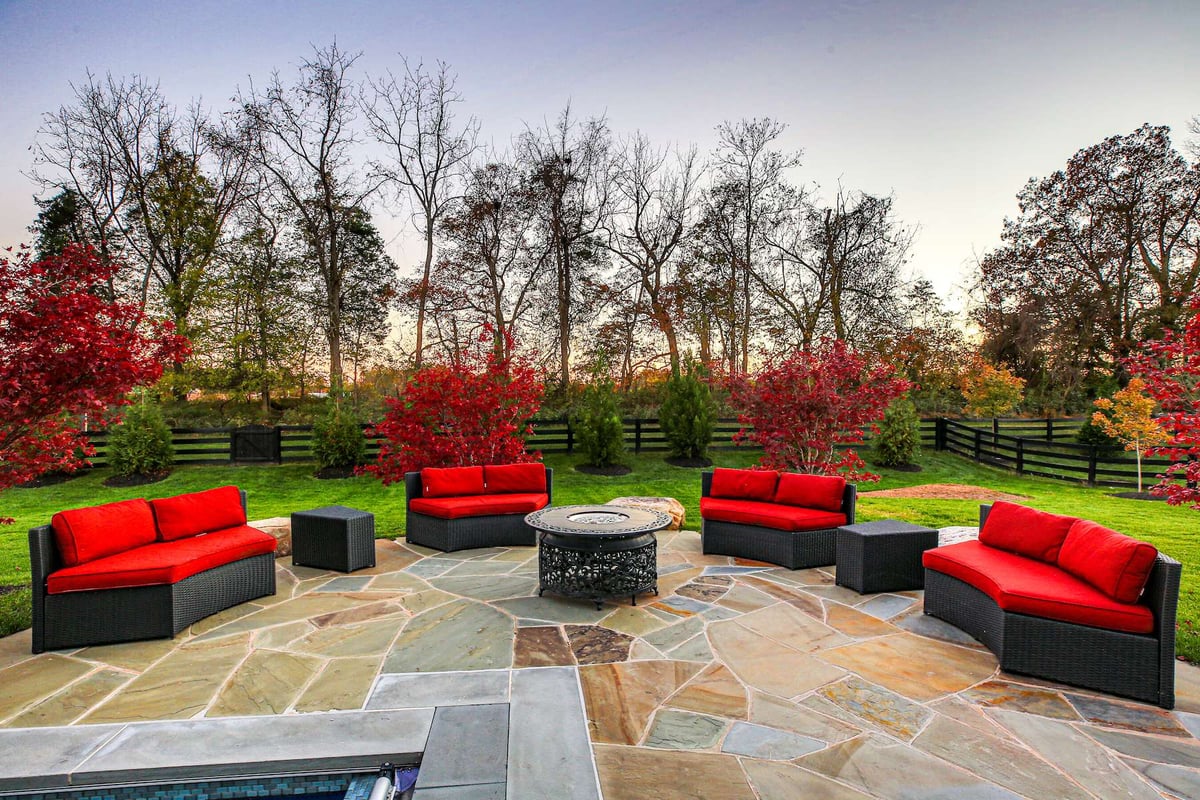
(882, 556)
(333, 537)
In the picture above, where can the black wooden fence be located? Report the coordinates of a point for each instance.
(1043, 447)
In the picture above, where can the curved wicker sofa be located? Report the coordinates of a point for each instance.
(794, 549)
(1140, 666)
(78, 618)
(482, 525)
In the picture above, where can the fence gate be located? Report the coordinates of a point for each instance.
(255, 443)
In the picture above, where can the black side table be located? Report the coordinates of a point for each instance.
(333, 537)
(882, 556)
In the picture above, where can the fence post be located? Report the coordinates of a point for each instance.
(1020, 455)
(995, 430)
(1092, 465)
(570, 437)
(637, 434)
(978, 443)
(939, 433)
(1049, 429)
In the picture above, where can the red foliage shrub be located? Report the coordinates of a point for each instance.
(808, 405)
(474, 411)
(66, 351)
(1171, 369)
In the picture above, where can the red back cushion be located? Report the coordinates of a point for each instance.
(744, 484)
(823, 492)
(451, 481)
(199, 512)
(1114, 563)
(1025, 531)
(86, 534)
(515, 478)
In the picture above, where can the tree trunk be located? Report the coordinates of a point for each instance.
(423, 293)
(564, 317)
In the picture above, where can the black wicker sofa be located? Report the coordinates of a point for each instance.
(1062, 599)
(141, 569)
(459, 508)
(787, 519)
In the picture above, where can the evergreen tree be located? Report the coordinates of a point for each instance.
(899, 438)
(601, 436)
(687, 414)
(141, 444)
(338, 439)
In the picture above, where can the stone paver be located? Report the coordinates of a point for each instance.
(740, 680)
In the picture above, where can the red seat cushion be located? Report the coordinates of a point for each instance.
(198, 512)
(744, 484)
(1114, 563)
(768, 515)
(479, 506)
(1025, 531)
(86, 534)
(514, 478)
(451, 481)
(1027, 586)
(162, 562)
(811, 491)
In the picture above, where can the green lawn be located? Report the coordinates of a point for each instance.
(279, 490)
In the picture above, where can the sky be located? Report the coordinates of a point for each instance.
(950, 105)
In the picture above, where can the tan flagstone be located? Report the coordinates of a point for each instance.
(1022, 697)
(177, 687)
(644, 651)
(916, 667)
(668, 583)
(766, 664)
(221, 617)
(265, 683)
(281, 635)
(134, 656)
(621, 697)
(776, 713)
(361, 613)
(1187, 687)
(389, 557)
(699, 559)
(31, 681)
(632, 620)
(400, 582)
(795, 595)
(853, 622)
(773, 780)
(865, 702)
(423, 601)
(637, 773)
(714, 691)
(303, 607)
(684, 541)
(1005, 763)
(959, 710)
(342, 686)
(743, 598)
(16, 648)
(460, 635)
(366, 639)
(788, 624)
(72, 702)
(518, 554)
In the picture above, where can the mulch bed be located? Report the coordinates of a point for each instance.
(1137, 496)
(610, 471)
(945, 491)
(124, 481)
(334, 473)
(49, 479)
(689, 463)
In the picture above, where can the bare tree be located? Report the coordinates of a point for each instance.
(750, 196)
(414, 118)
(654, 213)
(304, 137)
(568, 163)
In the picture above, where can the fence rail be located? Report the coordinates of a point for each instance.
(1026, 446)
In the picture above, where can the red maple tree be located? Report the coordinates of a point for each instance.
(805, 408)
(1171, 369)
(474, 410)
(66, 351)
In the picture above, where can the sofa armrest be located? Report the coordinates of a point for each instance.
(412, 487)
(549, 486)
(1162, 593)
(245, 508)
(850, 502)
(706, 483)
(43, 556)
(984, 509)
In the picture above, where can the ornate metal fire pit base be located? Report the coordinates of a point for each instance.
(597, 552)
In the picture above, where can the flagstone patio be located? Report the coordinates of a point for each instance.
(740, 680)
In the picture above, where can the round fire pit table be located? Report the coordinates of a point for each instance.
(597, 552)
